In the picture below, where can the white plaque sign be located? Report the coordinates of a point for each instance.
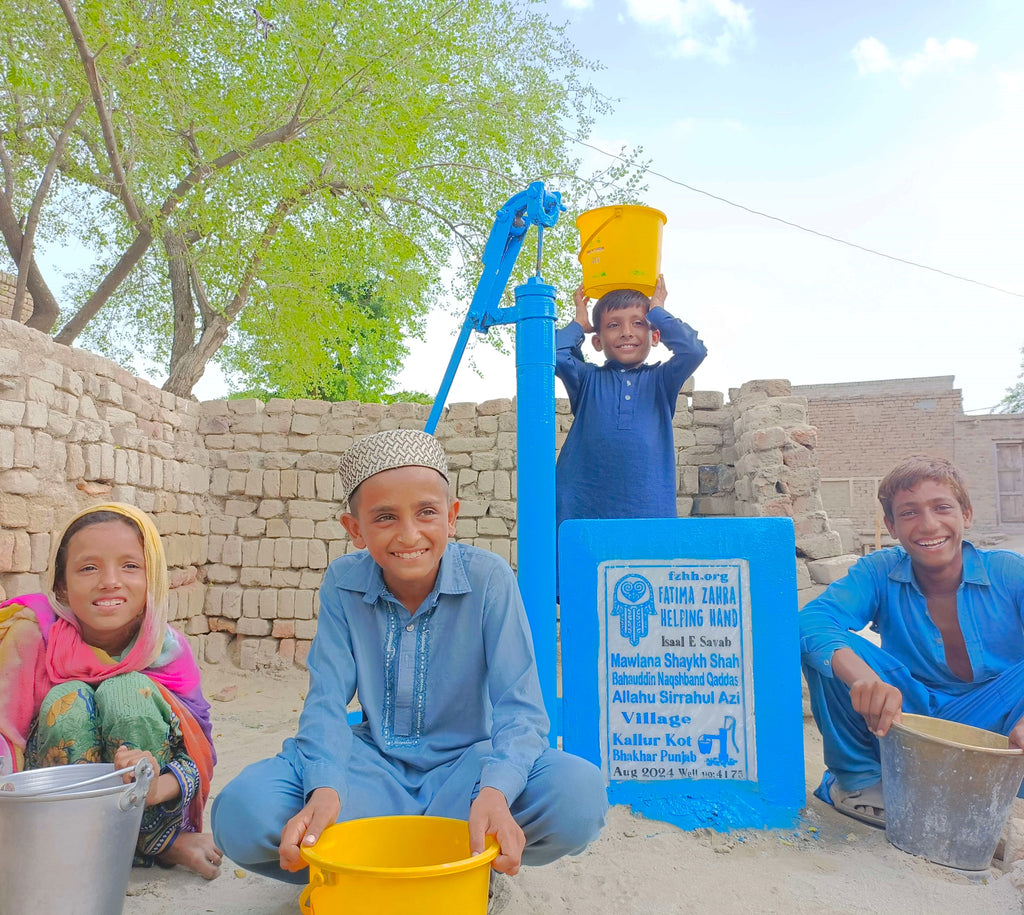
(675, 674)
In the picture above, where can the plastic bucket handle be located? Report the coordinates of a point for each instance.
(590, 238)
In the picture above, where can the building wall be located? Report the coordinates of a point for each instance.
(865, 428)
(245, 493)
(976, 439)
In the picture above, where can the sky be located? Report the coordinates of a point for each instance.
(898, 127)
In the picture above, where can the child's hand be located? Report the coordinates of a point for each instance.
(306, 826)
(125, 757)
(660, 293)
(489, 816)
(581, 301)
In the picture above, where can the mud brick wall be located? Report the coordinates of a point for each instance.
(245, 493)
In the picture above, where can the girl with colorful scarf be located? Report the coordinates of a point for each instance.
(92, 672)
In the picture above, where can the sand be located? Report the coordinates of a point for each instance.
(826, 863)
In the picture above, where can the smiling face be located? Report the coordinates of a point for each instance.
(929, 522)
(625, 335)
(404, 518)
(104, 583)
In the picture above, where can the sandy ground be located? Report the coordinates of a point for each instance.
(826, 863)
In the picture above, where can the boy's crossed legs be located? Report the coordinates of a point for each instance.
(561, 809)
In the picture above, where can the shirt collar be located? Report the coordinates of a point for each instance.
(365, 577)
(974, 569)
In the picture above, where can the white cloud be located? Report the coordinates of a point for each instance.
(700, 28)
(578, 4)
(871, 56)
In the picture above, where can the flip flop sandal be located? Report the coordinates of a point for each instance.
(854, 804)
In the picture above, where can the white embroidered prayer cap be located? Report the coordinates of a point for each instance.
(388, 450)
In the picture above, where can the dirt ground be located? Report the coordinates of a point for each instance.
(826, 863)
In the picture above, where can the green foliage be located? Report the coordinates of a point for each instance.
(233, 168)
(1013, 402)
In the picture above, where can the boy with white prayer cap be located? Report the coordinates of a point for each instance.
(434, 637)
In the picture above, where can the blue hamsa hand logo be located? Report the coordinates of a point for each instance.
(633, 602)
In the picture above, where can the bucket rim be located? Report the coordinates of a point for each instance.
(909, 719)
(490, 852)
(622, 206)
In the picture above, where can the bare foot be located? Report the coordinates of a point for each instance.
(196, 851)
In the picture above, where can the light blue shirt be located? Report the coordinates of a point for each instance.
(880, 589)
(458, 671)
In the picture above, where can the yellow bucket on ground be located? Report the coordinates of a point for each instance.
(948, 789)
(397, 865)
(620, 248)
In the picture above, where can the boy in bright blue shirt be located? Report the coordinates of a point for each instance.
(433, 636)
(619, 458)
(951, 621)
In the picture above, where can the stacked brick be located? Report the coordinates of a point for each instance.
(77, 430)
(777, 475)
(246, 494)
(8, 284)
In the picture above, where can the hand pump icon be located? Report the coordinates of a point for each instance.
(725, 733)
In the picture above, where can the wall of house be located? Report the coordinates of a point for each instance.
(864, 429)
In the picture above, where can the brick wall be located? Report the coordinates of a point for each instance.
(8, 284)
(976, 438)
(245, 494)
(866, 427)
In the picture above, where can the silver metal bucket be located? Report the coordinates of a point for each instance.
(948, 790)
(67, 838)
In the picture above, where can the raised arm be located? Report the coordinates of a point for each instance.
(688, 352)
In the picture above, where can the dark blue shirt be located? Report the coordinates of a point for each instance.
(619, 459)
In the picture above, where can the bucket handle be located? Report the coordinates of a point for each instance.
(135, 795)
(315, 879)
(590, 238)
(142, 769)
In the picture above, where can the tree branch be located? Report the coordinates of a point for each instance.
(102, 111)
(28, 238)
(125, 264)
(45, 308)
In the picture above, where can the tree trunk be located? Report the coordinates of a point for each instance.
(187, 367)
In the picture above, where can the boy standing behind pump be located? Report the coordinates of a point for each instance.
(619, 458)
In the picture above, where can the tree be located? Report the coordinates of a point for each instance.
(227, 166)
(349, 351)
(1013, 402)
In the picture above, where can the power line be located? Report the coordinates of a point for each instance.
(794, 225)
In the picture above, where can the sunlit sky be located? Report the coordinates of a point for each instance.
(895, 126)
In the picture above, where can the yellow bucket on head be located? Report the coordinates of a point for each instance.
(396, 865)
(620, 248)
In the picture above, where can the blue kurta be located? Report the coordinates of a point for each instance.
(451, 702)
(458, 671)
(619, 458)
(880, 590)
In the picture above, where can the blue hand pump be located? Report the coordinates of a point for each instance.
(534, 317)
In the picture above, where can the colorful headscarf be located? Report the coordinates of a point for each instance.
(150, 639)
(41, 645)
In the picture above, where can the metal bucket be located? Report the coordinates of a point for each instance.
(948, 790)
(67, 838)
